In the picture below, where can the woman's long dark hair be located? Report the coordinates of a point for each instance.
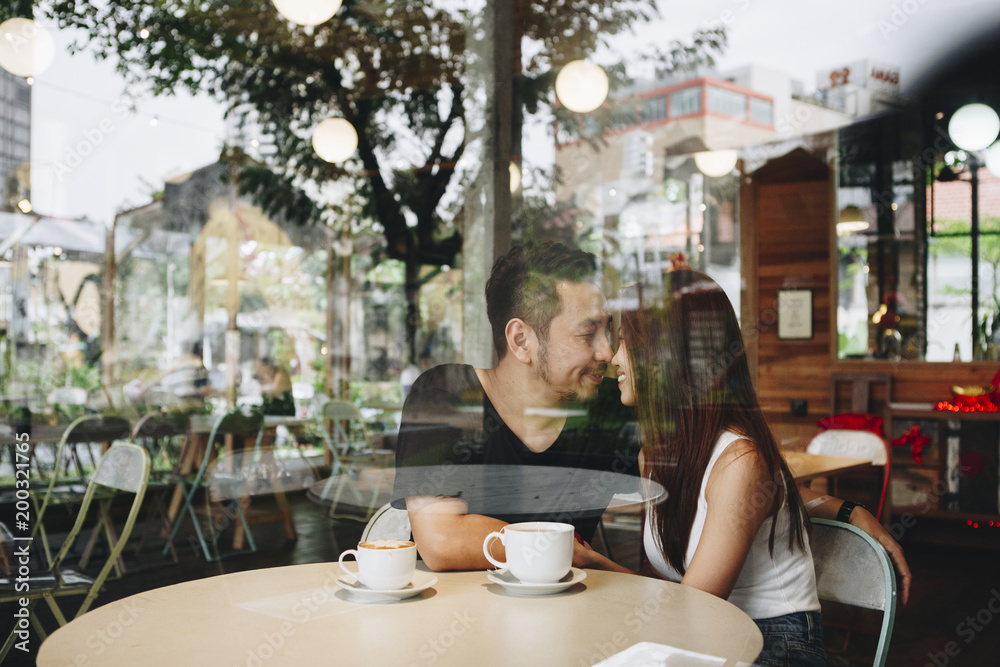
(693, 383)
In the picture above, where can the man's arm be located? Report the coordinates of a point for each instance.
(826, 507)
(448, 538)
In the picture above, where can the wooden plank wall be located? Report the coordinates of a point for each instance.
(787, 208)
(787, 224)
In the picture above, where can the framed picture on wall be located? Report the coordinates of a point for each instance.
(795, 314)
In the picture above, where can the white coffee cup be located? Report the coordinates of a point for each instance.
(538, 552)
(383, 565)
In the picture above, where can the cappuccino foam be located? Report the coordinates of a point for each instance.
(385, 544)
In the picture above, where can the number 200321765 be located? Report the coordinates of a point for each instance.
(22, 486)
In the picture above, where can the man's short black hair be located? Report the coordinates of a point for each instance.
(523, 285)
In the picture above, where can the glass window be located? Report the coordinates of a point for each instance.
(655, 108)
(761, 111)
(683, 102)
(728, 102)
(878, 305)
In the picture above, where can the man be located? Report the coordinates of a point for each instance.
(463, 427)
(552, 334)
(188, 379)
(274, 380)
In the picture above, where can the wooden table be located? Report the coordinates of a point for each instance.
(199, 428)
(298, 615)
(810, 466)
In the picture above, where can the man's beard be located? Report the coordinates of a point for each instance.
(575, 395)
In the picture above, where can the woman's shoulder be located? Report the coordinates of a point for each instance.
(740, 458)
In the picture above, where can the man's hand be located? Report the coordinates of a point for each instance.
(447, 537)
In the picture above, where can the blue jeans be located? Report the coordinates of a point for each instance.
(792, 640)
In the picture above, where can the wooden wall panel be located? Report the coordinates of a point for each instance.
(787, 215)
(793, 250)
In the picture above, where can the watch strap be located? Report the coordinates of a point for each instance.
(844, 514)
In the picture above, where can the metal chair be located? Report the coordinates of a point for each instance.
(65, 489)
(387, 523)
(853, 569)
(163, 435)
(124, 467)
(237, 425)
(351, 455)
(860, 445)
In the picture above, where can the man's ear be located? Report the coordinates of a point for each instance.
(520, 340)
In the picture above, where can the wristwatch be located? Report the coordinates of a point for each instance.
(844, 514)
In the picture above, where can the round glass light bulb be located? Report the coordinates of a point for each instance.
(582, 86)
(307, 12)
(993, 159)
(515, 177)
(335, 140)
(715, 163)
(26, 48)
(974, 127)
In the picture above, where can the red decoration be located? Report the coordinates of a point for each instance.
(678, 261)
(852, 422)
(915, 440)
(971, 464)
(948, 406)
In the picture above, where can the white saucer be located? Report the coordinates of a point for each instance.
(421, 582)
(517, 587)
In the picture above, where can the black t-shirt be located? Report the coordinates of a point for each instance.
(452, 442)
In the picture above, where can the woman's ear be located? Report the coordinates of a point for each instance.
(520, 340)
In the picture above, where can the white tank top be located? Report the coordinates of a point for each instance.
(768, 586)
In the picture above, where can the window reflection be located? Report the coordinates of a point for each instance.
(250, 259)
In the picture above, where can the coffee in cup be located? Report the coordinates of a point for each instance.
(538, 552)
(384, 565)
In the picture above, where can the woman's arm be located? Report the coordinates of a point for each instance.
(826, 507)
(739, 500)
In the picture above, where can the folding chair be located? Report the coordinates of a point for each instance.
(854, 569)
(64, 489)
(124, 467)
(388, 523)
(239, 426)
(350, 455)
(162, 435)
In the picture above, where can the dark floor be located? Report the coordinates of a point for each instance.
(957, 581)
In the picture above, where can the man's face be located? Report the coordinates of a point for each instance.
(573, 359)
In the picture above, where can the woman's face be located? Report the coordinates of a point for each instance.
(626, 380)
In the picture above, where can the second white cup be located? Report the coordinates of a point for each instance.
(538, 552)
(383, 565)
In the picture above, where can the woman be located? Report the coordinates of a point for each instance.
(733, 523)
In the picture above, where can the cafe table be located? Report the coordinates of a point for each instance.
(804, 466)
(199, 428)
(299, 615)
(510, 490)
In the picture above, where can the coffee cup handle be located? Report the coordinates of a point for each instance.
(486, 549)
(340, 561)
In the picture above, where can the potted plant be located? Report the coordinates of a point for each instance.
(989, 327)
